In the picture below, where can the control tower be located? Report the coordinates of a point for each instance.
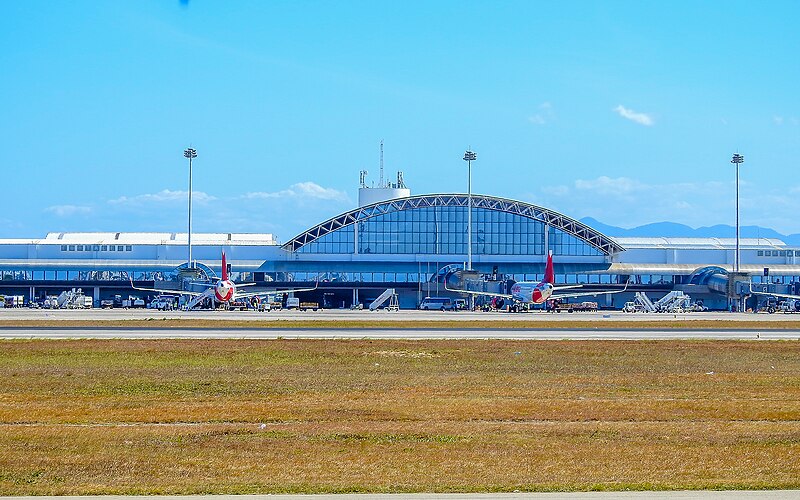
(383, 191)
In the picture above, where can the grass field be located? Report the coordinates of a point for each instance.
(166, 416)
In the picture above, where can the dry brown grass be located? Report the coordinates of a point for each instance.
(173, 416)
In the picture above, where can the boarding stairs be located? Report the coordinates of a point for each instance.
(64, 299)
(198, 299)
(389, 294)
(674, 301)
(644, 301)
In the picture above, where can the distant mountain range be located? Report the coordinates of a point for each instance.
(675, 230)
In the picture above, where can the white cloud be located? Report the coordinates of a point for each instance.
(628, 202)
(640, 118)
(544, 115)
(68, 210)
(778, 120)
(302, 190)
(162, 197)
(537, 120)
(607, 186)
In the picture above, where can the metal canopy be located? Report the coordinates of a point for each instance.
(566, 224)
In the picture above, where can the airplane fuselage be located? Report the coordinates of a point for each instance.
(224, 290)
(531, 293)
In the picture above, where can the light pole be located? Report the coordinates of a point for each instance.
(737, 160)
(469, 157)
(190, 153)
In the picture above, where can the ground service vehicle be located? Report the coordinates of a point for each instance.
(559, 306)
(789, 306)
(133, 302)
(292, 303)
(433, 303)
(13, 301)
(238, 303)
(163, 303)
(308, 305)
(631, 307)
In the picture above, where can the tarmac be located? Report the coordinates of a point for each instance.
(17, 314)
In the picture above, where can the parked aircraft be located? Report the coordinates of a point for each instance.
(531, 292)
(788, 302)
(772, 294)
(223, 290)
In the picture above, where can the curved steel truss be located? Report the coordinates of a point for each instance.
(554, 219)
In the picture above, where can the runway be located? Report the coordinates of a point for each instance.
(404, 315)
(408, 334)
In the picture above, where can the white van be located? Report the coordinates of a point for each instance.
(433, 303)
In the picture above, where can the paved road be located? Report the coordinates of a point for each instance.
(624, 495)
(412, 334)
(22, 314)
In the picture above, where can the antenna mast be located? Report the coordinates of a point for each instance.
(380, 182)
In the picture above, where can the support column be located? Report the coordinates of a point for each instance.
(96, 297)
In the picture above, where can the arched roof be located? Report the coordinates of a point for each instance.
(566, 224)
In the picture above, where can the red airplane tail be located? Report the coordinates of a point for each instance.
(549, 274)
(224, 268)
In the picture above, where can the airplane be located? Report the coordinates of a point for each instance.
(792, 302)
(531, 292)
(223, 290)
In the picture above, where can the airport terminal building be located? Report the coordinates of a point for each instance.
(411, 243)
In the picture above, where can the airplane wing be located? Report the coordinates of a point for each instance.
(245, 295)
(777, 295)
(165, 291)
(473, 292)
(203, 283)
(566, 287)
(586, 294)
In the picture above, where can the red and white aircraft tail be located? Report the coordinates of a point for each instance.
(549, 272)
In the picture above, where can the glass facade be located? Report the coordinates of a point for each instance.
(443, 231)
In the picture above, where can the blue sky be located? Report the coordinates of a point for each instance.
(625, 111)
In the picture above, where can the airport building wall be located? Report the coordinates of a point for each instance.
(404, 243)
